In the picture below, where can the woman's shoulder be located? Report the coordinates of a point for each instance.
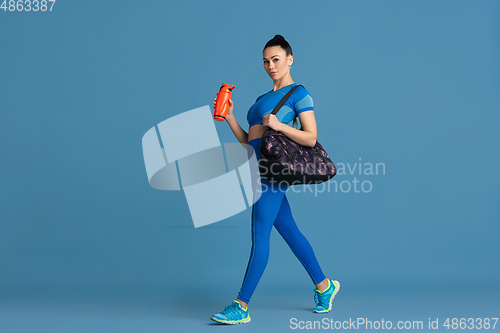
(264, 94)
(301, 90)
(301, 94)
(303, 100)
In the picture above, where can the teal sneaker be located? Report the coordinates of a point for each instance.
(324, 299)
(232, 314)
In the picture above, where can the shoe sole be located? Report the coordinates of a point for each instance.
(232, 323)
(337, 288)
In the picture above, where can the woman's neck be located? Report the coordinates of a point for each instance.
(283, 82)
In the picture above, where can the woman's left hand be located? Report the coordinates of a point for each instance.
(271, 121)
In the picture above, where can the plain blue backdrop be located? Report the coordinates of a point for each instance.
(87, 245)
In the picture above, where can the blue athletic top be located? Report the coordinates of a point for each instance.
(298, 102)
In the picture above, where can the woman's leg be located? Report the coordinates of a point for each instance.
(264, 213)
(286, 226)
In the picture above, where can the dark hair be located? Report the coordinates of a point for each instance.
(279, 40)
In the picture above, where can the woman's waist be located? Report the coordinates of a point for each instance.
(256, 131)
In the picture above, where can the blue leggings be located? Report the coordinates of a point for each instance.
(270, 209)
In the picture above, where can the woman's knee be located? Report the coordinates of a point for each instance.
(261, 235)
(290, 235)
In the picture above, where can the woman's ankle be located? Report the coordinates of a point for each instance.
(323, 285)
(243, 304)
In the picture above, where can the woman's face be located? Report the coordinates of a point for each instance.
(276, 63)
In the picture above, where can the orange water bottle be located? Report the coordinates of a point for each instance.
(222, 101)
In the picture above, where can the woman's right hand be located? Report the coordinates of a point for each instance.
(229, 110)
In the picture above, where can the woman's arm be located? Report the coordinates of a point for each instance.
(238, 132)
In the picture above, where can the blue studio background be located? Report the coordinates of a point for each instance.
(87, 245)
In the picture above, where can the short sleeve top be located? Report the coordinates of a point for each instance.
(298, 102)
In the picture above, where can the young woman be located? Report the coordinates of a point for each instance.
(272, 207)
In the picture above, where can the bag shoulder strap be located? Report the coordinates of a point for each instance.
(284, 99)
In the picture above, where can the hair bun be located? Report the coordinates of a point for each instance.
(280, 41)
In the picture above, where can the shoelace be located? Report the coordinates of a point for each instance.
(231, 308)
(318, 299)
